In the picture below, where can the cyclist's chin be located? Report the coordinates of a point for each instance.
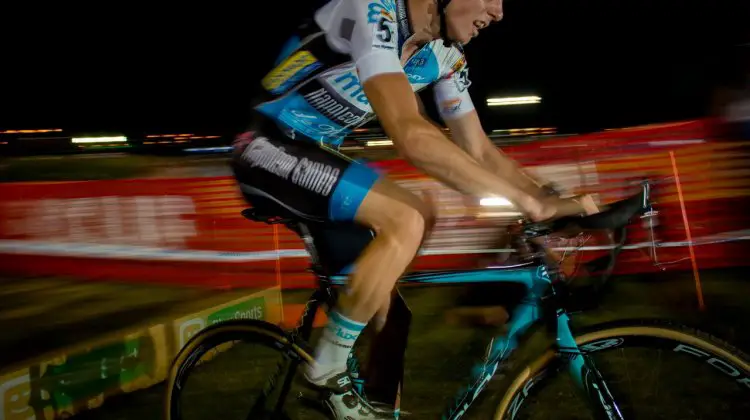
(465, 38)
(460, 40)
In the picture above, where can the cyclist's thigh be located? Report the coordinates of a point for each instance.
(308, 180)
(387, 204)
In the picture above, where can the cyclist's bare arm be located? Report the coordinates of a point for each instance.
(467, 132)
(426, 147)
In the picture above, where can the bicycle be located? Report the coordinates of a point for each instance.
(546, 305)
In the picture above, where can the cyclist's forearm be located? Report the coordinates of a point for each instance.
(497, 162)
(427, 148)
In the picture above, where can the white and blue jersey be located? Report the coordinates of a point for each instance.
(315, 90)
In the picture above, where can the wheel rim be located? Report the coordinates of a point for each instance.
(733, 364)
(187, 363)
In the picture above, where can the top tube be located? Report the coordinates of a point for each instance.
(526, 274)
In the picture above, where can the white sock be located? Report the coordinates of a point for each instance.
(334, 346)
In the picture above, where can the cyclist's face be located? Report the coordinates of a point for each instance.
(466, 17)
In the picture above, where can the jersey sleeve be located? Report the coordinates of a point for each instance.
(367, 31)
(452, 93)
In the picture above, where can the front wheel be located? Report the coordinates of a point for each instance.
(654, 369)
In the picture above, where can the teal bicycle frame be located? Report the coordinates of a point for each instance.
(539, 290)
(543, 303)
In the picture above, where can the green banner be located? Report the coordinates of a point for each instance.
(249, 309)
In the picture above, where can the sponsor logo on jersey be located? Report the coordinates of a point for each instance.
(416, 65)
(346, 83)
(338, 96)
(462, 80)
(262, 154)
(459, 63)
(312, 176)
(315, 176)
(415, 78)
(290, 71)
(380, 9)
(423, 67)
(333, 108)
(450, 106)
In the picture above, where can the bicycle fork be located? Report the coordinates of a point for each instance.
(587, 377)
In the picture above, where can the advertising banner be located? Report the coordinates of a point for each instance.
(190, 231)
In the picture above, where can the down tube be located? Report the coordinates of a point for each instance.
(526, 314)
(584, 373)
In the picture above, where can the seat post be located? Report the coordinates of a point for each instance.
(309, 244)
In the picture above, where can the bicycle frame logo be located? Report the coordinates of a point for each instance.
(487, 374)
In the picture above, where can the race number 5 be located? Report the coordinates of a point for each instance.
(385, 31)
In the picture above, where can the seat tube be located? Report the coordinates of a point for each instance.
(305, 325)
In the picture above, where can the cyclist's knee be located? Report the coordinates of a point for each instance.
(397, 215)
(408, 223)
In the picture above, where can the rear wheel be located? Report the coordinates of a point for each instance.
(238, 370)
(654, 369)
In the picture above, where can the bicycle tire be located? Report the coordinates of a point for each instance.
(250, 331)
(531, 374)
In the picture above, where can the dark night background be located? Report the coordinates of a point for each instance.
(596, 63)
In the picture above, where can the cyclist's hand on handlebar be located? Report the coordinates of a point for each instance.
(554, 207)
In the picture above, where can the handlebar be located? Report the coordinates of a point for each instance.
(616, 216)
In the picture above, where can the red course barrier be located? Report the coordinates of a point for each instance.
(190, 231)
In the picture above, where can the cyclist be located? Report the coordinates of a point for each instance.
(351, 61)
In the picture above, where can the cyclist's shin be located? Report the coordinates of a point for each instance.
(334, 346)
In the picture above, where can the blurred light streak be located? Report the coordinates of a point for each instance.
(118, 139)
(518, 100)
(50, 130)
(45, 138)
(208, 149)
(152, 136)
(495, 201)
(517, 131)
(371, 143)
(675, 142)
(563, 146)
(500, 214)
